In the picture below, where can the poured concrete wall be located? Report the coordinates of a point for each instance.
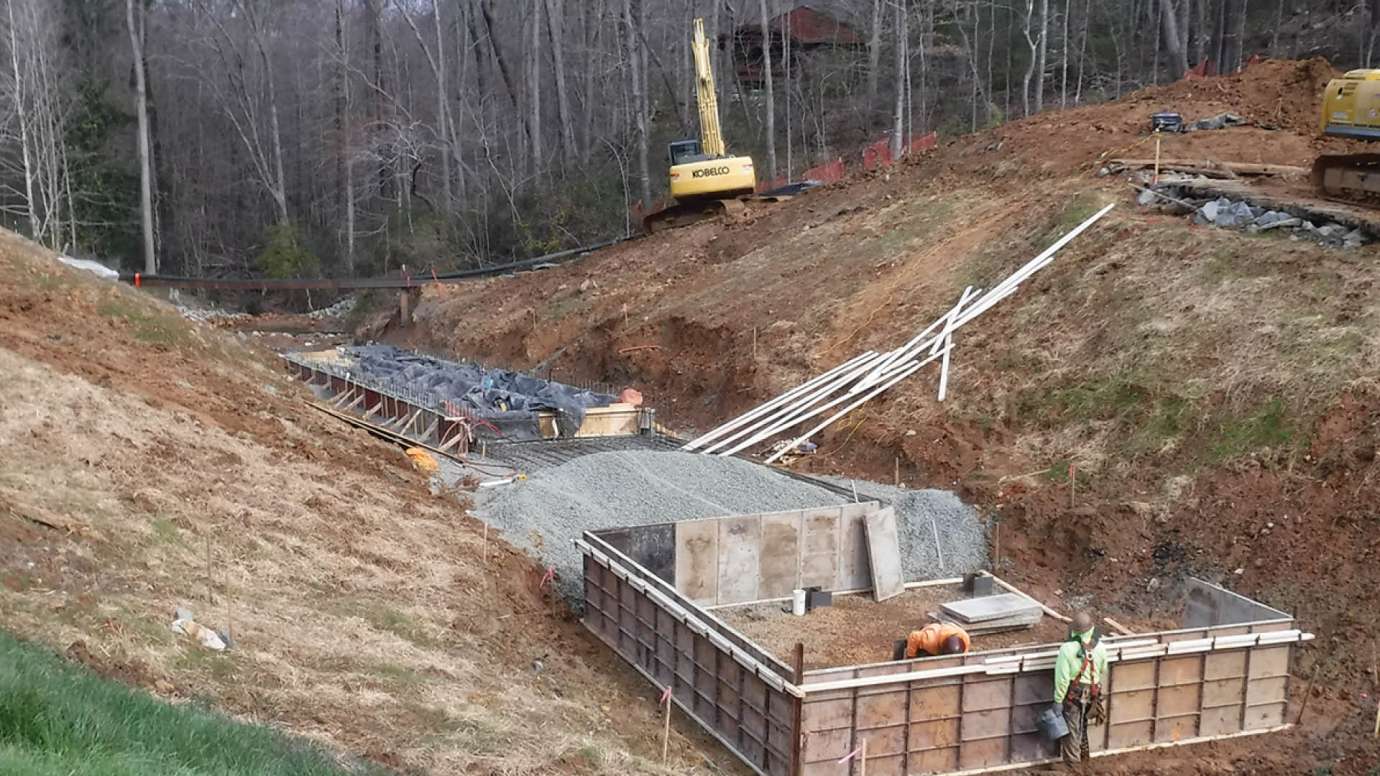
(1208, 604)
(744, 558)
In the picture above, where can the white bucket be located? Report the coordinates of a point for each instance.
(798, 602)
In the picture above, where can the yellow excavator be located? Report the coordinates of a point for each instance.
(705, 180)
(1351, 108)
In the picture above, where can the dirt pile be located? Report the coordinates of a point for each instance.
(1155, 404)
(147, 462)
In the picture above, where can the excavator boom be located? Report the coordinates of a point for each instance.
(706, 96)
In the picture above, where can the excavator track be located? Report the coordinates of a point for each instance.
(728, 211)
(1348, 177)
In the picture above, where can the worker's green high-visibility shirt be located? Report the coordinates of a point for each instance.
(1071, 659)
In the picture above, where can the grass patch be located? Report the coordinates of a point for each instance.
(1074, 212)
(1268, 426)
(150, 327)
(218, 665)
(1101, 399)
(399, 624)
(165, 531)
(57, 719)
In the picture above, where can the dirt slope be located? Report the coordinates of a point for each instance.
(1163, 400)
(147, 463)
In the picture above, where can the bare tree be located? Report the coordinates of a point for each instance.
(141, 109)
(555, 19)
(768, 77)
(898, 116)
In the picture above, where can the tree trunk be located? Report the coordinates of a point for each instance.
(344, 166)
(534, 95)
(771, 98)
(443, 114)
(874, 61)
(898, 115)
(1044, 54)
(1034, 57)
(555, 20)
(638, 101)
(1174, 39)
(21, 114)
(136, 44)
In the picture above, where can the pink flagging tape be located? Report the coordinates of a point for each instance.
(666, 696)
(850, 755)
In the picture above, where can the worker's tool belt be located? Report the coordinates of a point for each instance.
(1089, 695)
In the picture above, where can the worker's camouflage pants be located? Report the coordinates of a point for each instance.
(1079, 711)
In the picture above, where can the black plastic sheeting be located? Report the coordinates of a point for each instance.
(508, 400)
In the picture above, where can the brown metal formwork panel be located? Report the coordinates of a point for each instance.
(713, 686)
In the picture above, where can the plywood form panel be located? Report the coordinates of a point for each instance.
(980, 754)
(697, 560)
(1180, 670)
(932, 761)
(1129, 734)
(1035, 687)
(882, 741)
(1270, 661)
(985, 724)
(936, 734)
(1224, 665)
(881, 710)
(1220, 721)
(1265, 716)
(1029, 747)
(1131, 706)
(890, 765)
(1176, 728)
(984, 695)
(1224, 692)
(780, 564)
(1133, 676)
(934, 702)
(825, 715)
(827, 745)
(1025, 719)
(1260, 691)
(1180, 700)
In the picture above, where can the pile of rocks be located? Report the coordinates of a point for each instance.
(338, 310)
(1234, 214)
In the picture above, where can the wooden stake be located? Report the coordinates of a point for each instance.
(862, 762)
(898, 471)
(1377, 721)
(996, 561)
(1308, 692)
(1073, 484)
(754, 343)
(666, 736)
(1156, 177)
(486, 544)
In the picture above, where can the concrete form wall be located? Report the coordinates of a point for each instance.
(985, 720)
(739, 559)
(1207, 605)
(731, 688)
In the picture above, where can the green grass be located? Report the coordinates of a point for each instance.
(151, 327)
(1268, 426)
(58, 719)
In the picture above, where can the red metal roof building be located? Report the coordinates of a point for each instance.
(809, 29)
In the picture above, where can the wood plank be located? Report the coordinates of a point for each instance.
(884, 554)
(854, 572)
(934, 703)
(1270, 661)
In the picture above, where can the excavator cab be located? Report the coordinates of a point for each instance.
(686, 151)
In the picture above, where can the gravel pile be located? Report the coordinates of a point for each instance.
(548, 511)
(920, 514)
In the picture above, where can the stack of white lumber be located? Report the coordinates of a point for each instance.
(854, 382)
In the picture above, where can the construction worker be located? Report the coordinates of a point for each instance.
(1079, 671)
(937, 638)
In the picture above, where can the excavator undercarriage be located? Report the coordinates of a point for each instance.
(1352, 177)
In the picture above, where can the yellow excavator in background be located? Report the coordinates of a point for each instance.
(705, 180)
(1351, 108)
